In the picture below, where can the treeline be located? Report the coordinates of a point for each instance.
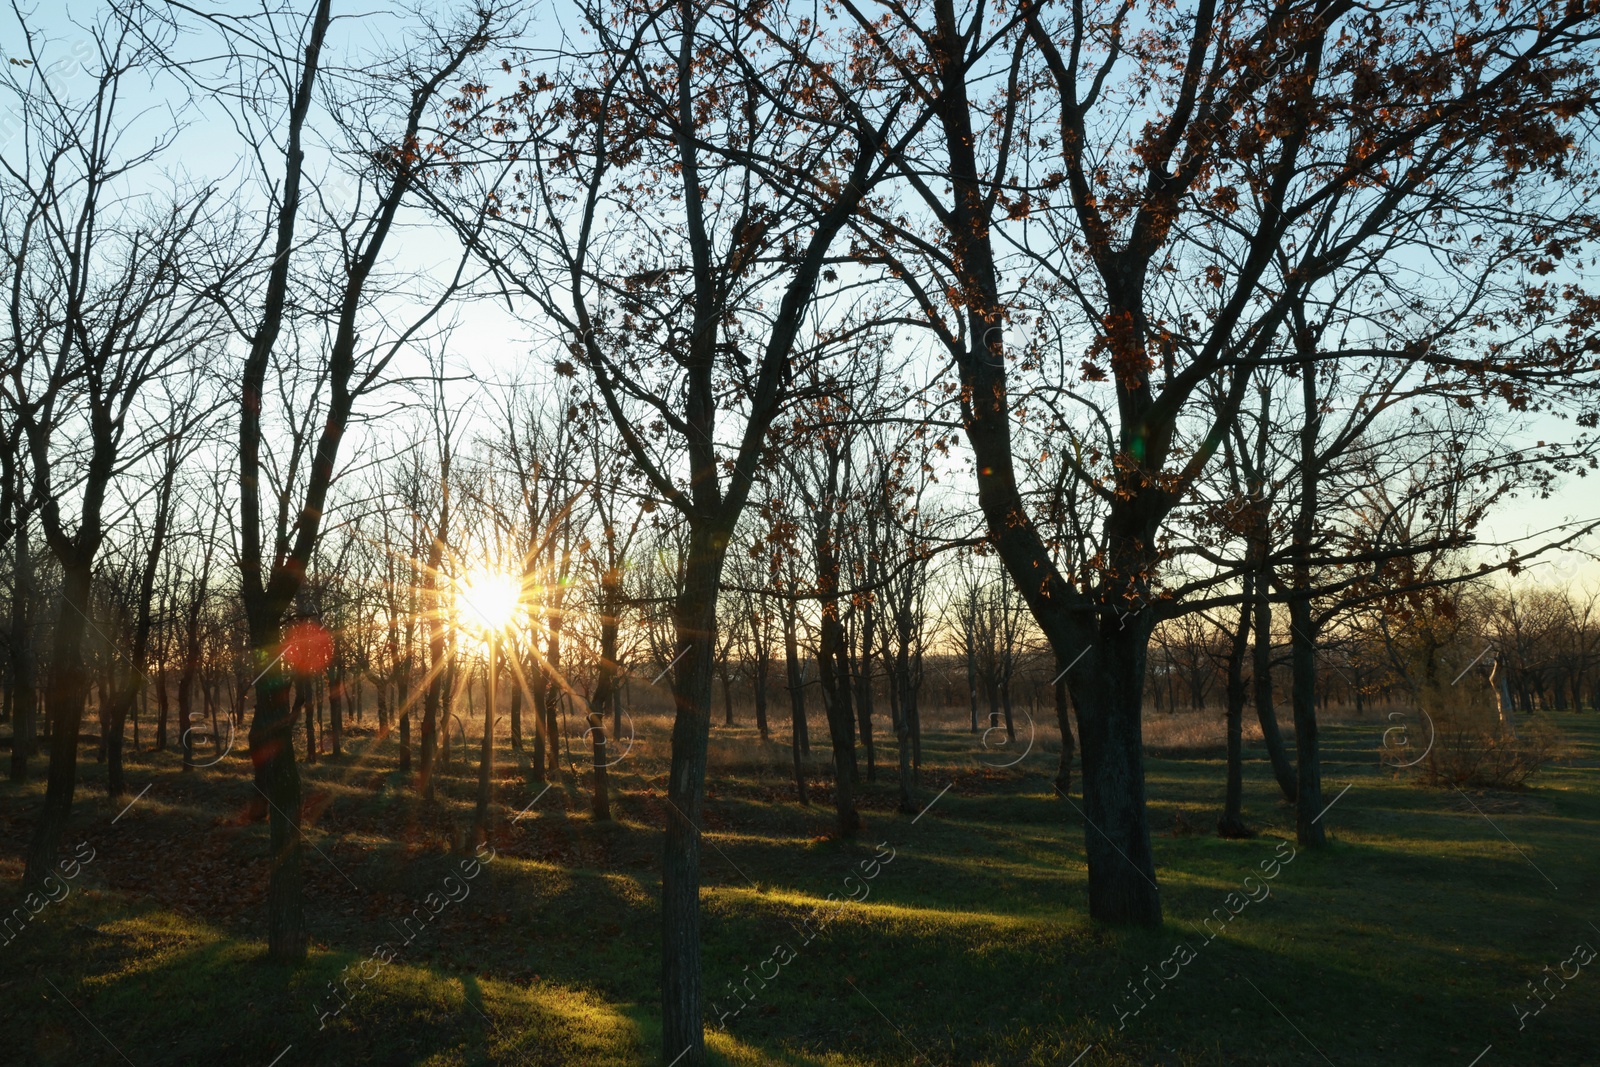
(1178, 350)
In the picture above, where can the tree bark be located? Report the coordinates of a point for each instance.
(66, 692)
(694, 618)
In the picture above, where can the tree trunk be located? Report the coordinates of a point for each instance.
(799, 733)
(694, 618)
(727, 692)
(972, 679)
(1309, 829)
(1005, 704)
(552, 698)
(1064, 769)
(24, 662)
(336, 708)
(516, 709)
(162, 706)
(305, 703)
(1282, 769)
(863, 675)
(841, 730)
(899, 705)
(1232, 822)
(66, 692)
(405, 742)
(1108, 696)
(539, 684)
(762, 669)
(278, 777)
(480, 818)
(605, 685)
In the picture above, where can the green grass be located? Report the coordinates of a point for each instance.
(1409, 940)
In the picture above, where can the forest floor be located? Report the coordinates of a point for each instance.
(1412, 939)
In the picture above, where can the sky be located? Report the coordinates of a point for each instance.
(488, 340)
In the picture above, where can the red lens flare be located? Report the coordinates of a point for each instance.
(307, 647)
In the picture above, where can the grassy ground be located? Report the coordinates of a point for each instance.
(1411, 940)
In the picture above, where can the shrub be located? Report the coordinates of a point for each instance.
(1466, 757)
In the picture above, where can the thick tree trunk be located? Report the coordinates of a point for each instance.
(66, 692)
(1309, 828)
(278, 777)
(1122, 886)
(695, 624)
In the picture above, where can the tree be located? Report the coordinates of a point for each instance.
(1242, 158)
(652, 288)
(119, 285)
(276, 546)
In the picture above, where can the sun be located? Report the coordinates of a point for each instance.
(489, 600)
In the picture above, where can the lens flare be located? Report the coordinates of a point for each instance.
(489, 601)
